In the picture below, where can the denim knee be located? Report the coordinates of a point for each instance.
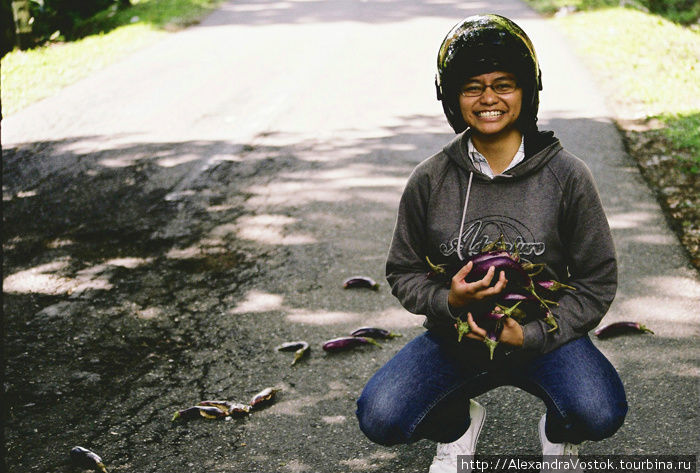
(380, 424)
(595, 424)
(603, 423)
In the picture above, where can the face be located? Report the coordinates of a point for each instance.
(491, 114)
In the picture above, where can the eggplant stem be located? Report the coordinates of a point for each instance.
(299, 354)
(492, 344)
(435, 268)
(508, 311)
(533, 269)
(488, 247)
(558, 285)
(644, 329)
(552, 322)
(501, 243)
(462, 329)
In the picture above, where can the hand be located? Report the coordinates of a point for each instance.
(512, 333)
(463, 292)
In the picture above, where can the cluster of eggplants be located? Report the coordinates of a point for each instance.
(84, 458)
(524, 298)
(215, 409)
(359, 337)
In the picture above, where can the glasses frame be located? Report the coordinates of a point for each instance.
(464, 93)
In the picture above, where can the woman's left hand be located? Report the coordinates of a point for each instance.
(512, 333)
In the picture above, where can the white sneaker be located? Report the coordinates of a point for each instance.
(550, 449)
(446, 459)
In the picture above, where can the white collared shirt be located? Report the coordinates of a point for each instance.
(480, 162)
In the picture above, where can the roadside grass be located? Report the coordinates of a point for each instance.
(685, 12)
(684, 131)
(29, 76)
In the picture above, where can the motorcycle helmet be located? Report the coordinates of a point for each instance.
(481, 44)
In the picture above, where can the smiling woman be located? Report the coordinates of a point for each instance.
(500, 180)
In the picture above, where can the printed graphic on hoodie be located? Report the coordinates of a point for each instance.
(479, 233)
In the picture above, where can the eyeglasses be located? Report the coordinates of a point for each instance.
(475, 89)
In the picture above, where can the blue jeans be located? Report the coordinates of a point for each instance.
(423, 391)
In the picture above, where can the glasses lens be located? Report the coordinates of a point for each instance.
(504, 87)
(473, 90)
(501, 87)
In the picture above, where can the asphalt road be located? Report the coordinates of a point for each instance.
(172, 218)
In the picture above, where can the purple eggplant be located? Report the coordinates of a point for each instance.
(481, 257)
(552, 285)
(515, 297)
(374, 332)
(84, 458)
(195, 412)
(300, 349)
(264, 397)
(452, 269)
(346, 343)
(234, 409)
(621, 328)
(361, 282)
(515, 274)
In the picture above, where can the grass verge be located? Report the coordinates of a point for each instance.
(649, 68)
(29, 76)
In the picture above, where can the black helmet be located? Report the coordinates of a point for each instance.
(481, 44)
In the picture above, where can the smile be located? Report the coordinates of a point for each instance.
(489, 114)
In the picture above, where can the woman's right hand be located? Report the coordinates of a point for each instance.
(462, 292)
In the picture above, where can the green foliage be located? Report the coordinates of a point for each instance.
(684, 132)
(685, 12)
(162, 14)
(70, 20)
(62, 15)
(7, 28)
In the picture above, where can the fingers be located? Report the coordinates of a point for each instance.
(462, 292)
(462, 273)
(481, 289)
(476, 332)
(501, 283)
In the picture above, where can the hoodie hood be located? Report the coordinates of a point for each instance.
(540, 147)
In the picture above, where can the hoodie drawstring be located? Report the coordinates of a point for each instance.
(464, 216)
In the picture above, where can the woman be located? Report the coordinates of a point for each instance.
(500, 177)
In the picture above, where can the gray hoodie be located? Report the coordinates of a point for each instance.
(547, 206)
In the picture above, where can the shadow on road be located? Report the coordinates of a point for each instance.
(143, 278)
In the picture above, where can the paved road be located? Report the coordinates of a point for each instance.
(172, 218)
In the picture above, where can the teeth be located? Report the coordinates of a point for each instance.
(490, 114)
